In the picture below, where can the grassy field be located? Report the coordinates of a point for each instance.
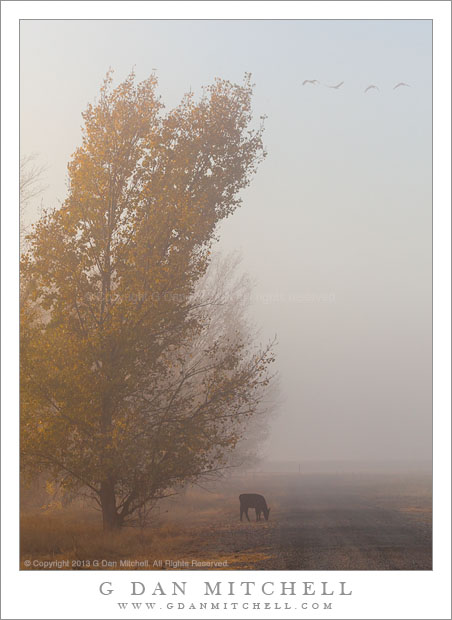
(318, 521)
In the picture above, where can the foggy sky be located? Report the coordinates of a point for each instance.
(336, 226)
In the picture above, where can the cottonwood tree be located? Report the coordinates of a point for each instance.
(125, 392)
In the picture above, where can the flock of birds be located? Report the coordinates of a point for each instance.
(370, 87)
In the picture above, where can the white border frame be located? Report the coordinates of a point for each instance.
(382, 594)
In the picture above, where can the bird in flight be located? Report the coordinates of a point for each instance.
(314, 82)
(370, 87)
(337, 85)
(401, 84)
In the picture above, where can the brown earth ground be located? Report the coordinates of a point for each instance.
(318, 521)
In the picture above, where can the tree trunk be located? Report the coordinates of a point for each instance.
(110, 517)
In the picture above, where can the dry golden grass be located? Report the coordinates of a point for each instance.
(188, 526)
(77, 536)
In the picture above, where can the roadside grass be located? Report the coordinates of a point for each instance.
(188, 526)
(65, 535)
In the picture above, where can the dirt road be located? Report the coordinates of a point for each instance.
(326, 523)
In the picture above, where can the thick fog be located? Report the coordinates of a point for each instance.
(335, 229)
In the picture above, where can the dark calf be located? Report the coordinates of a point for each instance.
(253, 500)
